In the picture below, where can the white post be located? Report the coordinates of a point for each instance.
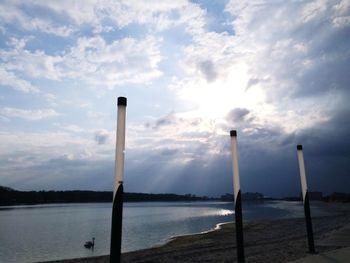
(117, 210)
(120, 144)
(236, 182)
(237, 198)
(306, 202)
(302, 171)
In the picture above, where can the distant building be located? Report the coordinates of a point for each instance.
(226, 197)
(339, 197)
(245, 196)
(316, 196)
(252, 196)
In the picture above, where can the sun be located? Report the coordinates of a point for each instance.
(215, 99)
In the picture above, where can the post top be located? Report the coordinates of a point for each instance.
(121, 101)
(299, 147)
(233, 133)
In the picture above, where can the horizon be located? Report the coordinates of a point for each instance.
(191, 71)
(220, 195)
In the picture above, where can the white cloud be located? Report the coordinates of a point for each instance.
(13, 12)
(219, 50)
(35, 64)
(123, 61)
(313, 10)
(103, 16)
(31, 115)
(41, 147)
(73, 128)
(342, 21)
(11, 80)
(92, 60)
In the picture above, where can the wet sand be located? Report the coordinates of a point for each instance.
(265, 241)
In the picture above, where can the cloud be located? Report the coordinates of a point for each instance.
(92, 60)
(208, 70)
(97, 62)
(304, 58)
(237, 115)
(31, 115)
(328, 140)
(65, 174)
(211, 54)
(165, 120)
(255, 81)
(22, 15)
(18, 60)
(9, 79)
(24, 150)
(101, 136)
(72, 128)
(169, 152)
(64, 19)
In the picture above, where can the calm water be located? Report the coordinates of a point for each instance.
(50, 232)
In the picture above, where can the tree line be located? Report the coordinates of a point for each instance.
(10, 196)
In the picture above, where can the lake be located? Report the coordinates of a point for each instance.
(58, 231)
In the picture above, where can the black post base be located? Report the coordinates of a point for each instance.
(116, 231)
(239, 228)
(310, 235)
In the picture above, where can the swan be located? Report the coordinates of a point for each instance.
(90, 244)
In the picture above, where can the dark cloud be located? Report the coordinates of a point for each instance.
(330, 139)
(287, 139)
(265, 134)
(101, 137)
(267, 158)
(208, 70)
(327, 154)
(325, 76)
(196, 122)
(169, 152)
(166, 120)
(237, 115)
(254, 81)
(304, 59)
(268, 161)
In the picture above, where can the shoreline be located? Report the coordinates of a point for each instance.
(280, 240)
(171, 238)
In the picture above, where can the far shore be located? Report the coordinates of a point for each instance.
(265, 241)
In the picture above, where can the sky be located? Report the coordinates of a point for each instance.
(276, 71)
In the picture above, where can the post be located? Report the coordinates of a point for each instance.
(237, 199)
(310, 236)
(117, 211)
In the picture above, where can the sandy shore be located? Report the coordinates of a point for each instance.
(265, 241)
